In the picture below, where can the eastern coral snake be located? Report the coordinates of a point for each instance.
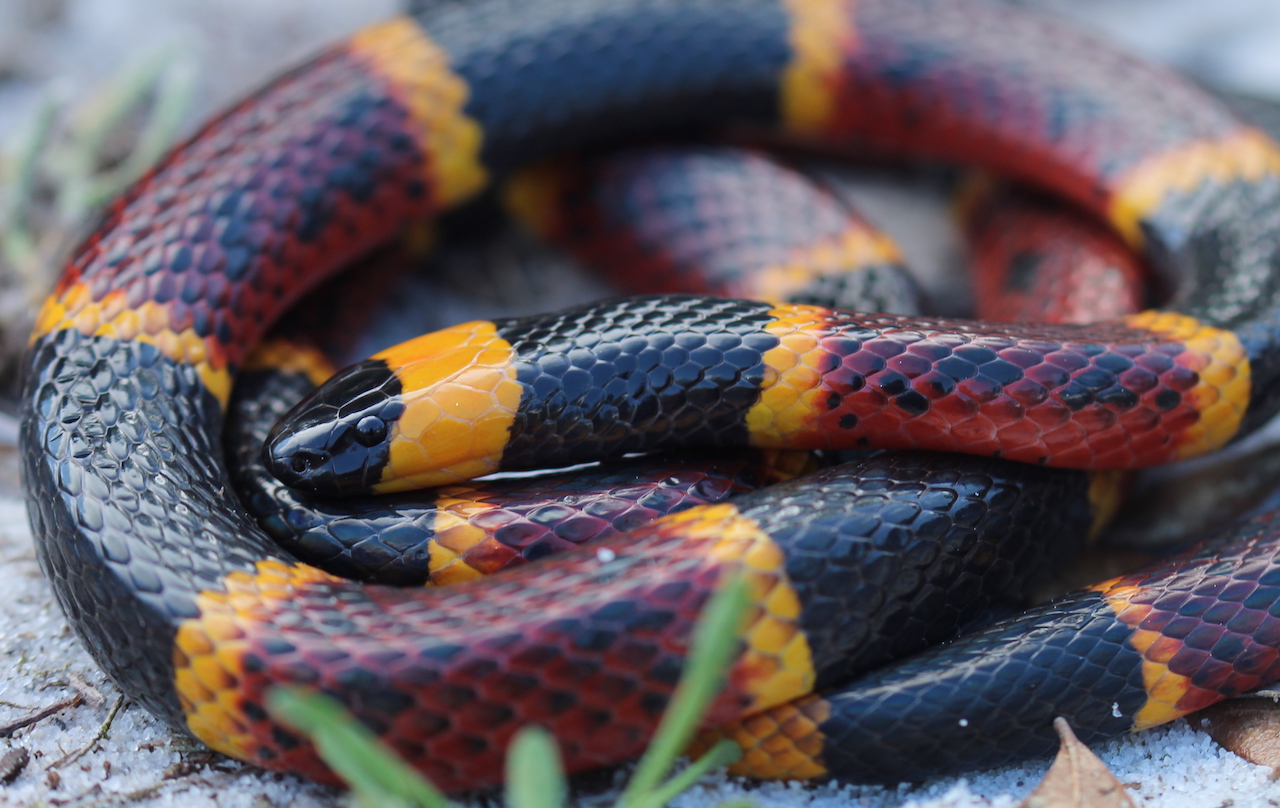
(196, 612)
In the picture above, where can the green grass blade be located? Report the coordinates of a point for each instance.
(715, 638)
(118, 98)
(173, 98)
(722, 754)
(19, 245)
(76, 166)
(376, 774)
(535, 775)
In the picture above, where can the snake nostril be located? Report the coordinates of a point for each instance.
(304, 461)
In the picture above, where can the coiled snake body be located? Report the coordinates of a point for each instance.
(195, 612)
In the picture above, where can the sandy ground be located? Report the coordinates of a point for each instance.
(101, 750)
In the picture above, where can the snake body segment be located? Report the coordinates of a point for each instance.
(1037, 259)
(794, 238)
(461, 532)
(1127, 654)
(195, 612)
(716, 221)
(671, 372)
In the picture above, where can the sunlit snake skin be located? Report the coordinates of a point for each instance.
(135, 351)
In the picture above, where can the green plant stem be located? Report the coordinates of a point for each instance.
(722, 754)
(76, 166)
(715, 640)
(19, 245)
(535, 775)
(173, 99)
(374, 771)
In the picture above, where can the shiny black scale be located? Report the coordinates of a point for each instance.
(123, 440)
(628, 376)
(1071, 657)
(894, 552)
(386, 539)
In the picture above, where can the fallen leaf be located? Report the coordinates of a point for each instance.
(1248, 726)
(1077, 778)
(12, 763)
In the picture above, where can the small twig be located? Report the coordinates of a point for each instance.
(94, 790)
(102, 733)
(137, 795)
(204, 759)
(129, 798)
(91, 694)
(13, 704)
(39, 715)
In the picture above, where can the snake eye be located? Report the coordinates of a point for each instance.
(371, 431)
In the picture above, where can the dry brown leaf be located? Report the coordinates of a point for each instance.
(1248, 726)
(1077, 778)
(12, 763)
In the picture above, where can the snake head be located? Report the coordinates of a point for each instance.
(336, 440)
